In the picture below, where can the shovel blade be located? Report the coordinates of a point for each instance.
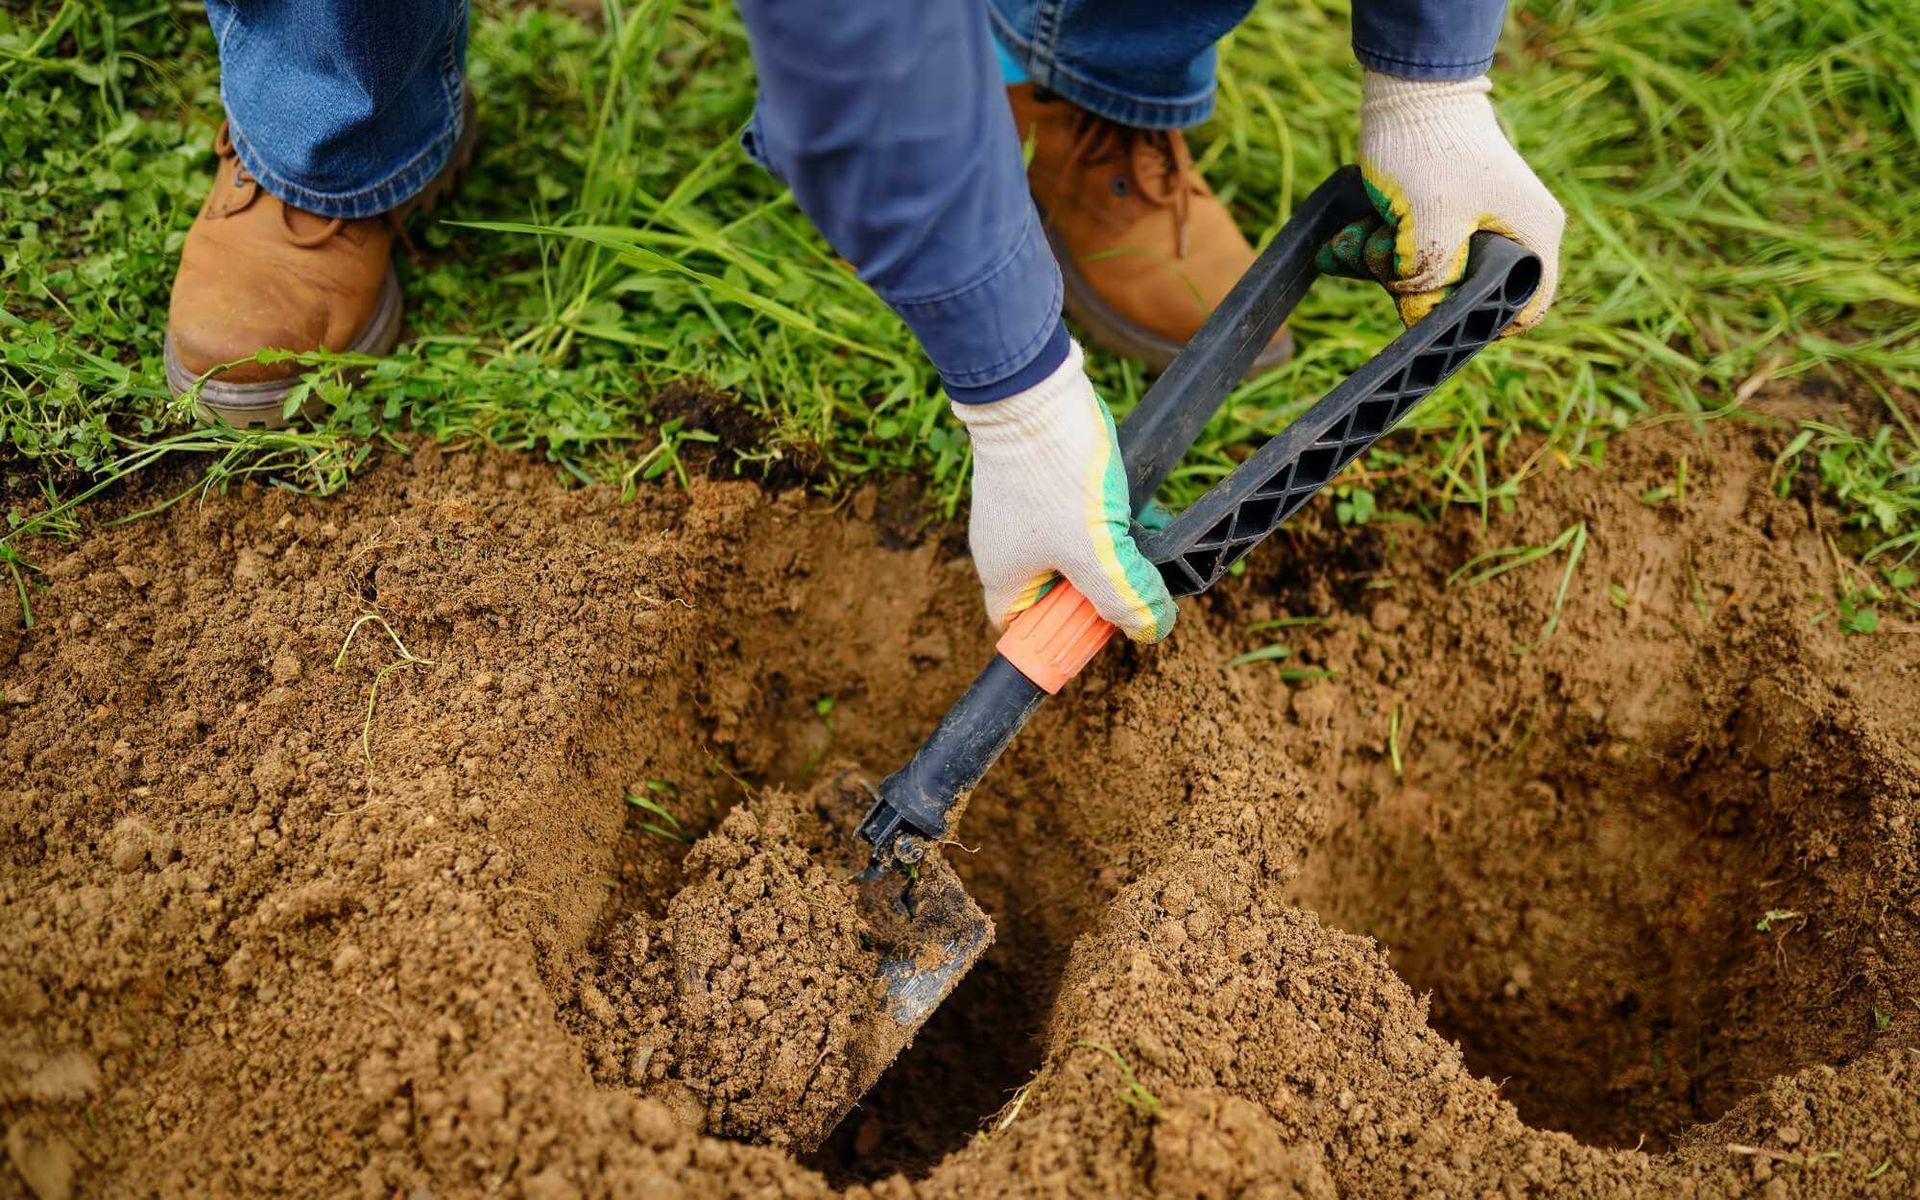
(934, 934)
(931, 934)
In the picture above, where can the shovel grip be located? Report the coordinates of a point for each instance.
(1054, 639)
(1202, 543)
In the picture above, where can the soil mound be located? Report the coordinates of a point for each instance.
(323, 869)
(762, 974)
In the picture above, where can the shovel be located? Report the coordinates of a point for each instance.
(929, 930)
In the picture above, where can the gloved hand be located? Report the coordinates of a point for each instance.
(1439, 170)
(1050, 496)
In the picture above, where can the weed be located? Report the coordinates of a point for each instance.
(1675, 491)
(1776, 915)
(1518, 758)
(1285, 623)
(1901, 578)
(406, 659)
(672, 831)
(1858, 591)
(665, 456)
(1354, 506)
(1560, 593)
(1572, 539)
(1857, 614)
(1393, 741)
(1874, 478)
(1272, 652)
(1697, 591)
(1132, 1093)
(1809, 1159)
(14, 564)
(1013, 1109)
(822, 708)
(1306, 674)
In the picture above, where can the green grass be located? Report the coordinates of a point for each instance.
(668, 827)
(1494, 563)
(1738, 180)
(1131, 1092)
(407, 658)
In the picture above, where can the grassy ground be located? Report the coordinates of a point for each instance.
(1738, 178)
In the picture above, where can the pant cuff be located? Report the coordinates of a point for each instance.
(1053, 352)
(1137, 112)
(988, 330)
(401, 184)
(1407, 68)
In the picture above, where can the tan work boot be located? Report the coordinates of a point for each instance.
(257, 274)
(1147, 249)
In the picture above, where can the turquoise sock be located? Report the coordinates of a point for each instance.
(1010, 71)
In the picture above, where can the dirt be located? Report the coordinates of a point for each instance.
(747, 1001)
(1630, 913)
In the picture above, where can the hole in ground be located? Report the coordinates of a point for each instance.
(786, 717)
(1633, 938)
(977, 1048)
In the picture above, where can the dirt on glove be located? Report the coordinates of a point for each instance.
(467, 834)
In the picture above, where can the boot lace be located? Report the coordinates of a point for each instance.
(223, 146)
(1157, 162)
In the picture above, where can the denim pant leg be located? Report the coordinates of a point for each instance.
(889, 122)
(1150, 63)
(1144, 63)
(344, 108)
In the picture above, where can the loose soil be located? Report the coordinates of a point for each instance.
(757, 985)
(1631, 913)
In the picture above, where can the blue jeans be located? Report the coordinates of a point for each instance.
(1150, 63)
(342, 107)
(889, 122)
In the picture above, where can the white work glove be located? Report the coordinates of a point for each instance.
(1050, 498)
(1439, 170)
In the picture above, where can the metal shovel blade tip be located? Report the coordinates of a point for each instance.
(931, 934)
(935, 934)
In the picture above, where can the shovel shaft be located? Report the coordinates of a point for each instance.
(917, 800)
(1043, 648)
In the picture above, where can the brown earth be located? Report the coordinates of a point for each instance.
(745, 1005)
(1631, 913)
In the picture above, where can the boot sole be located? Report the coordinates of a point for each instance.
(1111, 331)
(262, 404)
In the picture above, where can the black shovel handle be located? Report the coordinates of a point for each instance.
(1200, 544)
(1169, 419)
